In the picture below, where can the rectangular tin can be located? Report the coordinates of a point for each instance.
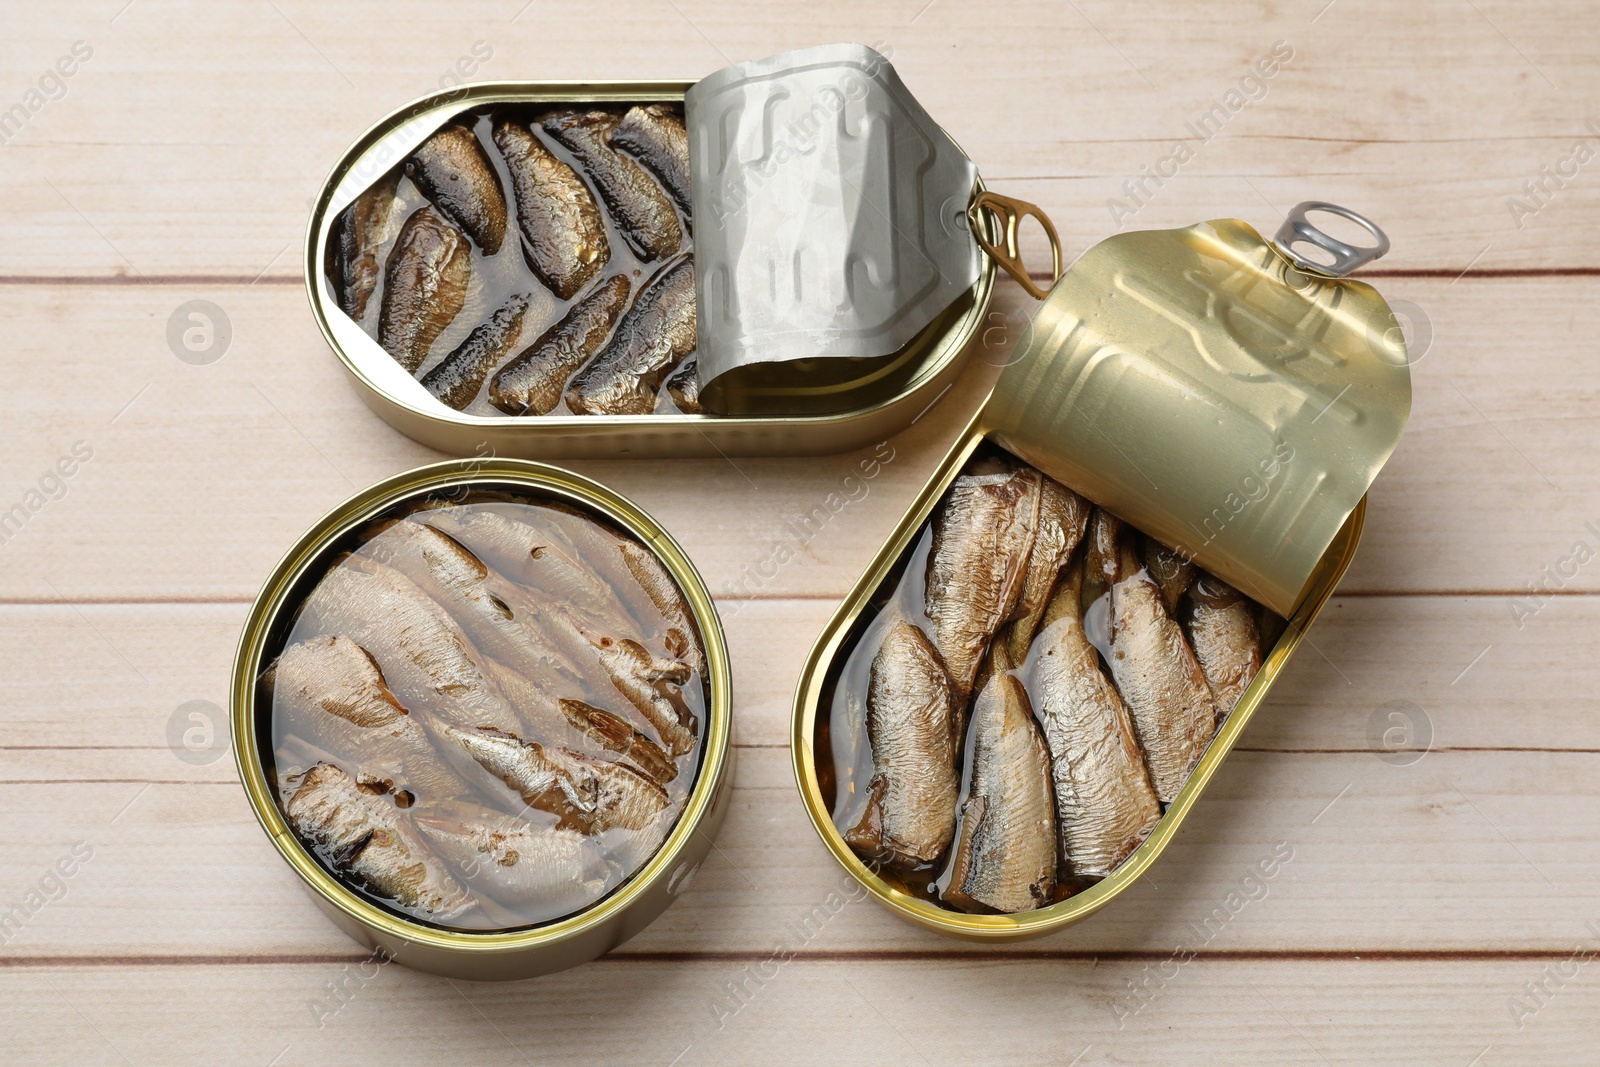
(938, 352)
(1244, 298)
(512, 954)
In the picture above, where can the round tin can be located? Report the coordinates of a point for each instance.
(514, 954)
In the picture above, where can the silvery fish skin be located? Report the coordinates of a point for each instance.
(1227, 642)
(330, 691)
(1063, 515)
(910, 811)
(541, 872)
(655, 135)
(589, 795)
(983, 534)
(425, 286)
(652, 688)
(1173, 571)
(684, 387)
(369, 838)
(426, 657)
(1174, 711)
(642, 213)
(681, 636)
(458, 377)
(579, 726)
(1101, 558)
(501, 624)
(564, 238)
(652, 338)
(537, 557)
(359, 232)
(1105, 804)
(621, 740)
(453, 171)
(532, 383)
(1005, 855)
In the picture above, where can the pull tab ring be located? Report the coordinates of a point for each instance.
(1298, 229)
(1007, 214)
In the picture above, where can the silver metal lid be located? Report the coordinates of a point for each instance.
(830, 215)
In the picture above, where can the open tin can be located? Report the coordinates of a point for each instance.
(619, 903)
(1228, 397)
(836, 391)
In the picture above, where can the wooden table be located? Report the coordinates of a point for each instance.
(1437, 907)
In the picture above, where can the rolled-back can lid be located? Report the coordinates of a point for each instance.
(1229, 400)
(830, 222)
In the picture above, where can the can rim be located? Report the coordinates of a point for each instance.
(312, 547)
(943, 353)
(1023, 925)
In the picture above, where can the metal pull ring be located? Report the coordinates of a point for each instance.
(1006, 213)
(1297, 229)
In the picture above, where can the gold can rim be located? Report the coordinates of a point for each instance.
(312, 547)
(1024, 925)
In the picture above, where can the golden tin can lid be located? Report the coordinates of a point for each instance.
(1230, 396)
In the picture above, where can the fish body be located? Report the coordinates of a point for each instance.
(642, 213)
(425, 656)
(501, 623)
(910, 812)
(1227, 642)
(1105, 804)
(370, 839)
(1173, 571)
(654, 134)
(679, 632)
(532, 383)
(1174, 712)
(653, 337)
(458, 377)
(1005, 853)
(1101, 558)
(588, 794)
(652, 688)
(1063, 515)
(425, 286)
(983, 535)
(541, 873)
(359, 233)
(564, 237)
(453, 171)
(684, 387)
(331, 692)
(625, 743)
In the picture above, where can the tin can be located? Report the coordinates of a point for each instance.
(899, 389)
(512, 954)
(1157, 364)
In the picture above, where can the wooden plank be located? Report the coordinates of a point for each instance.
(807, 1012)
(134, 172)
(108, 678)
(1373, 857)
(203, 476)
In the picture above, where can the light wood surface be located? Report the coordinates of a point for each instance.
(1421, 900)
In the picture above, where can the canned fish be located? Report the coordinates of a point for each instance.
(482, 709)
(515, 267)
(1027, 692)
